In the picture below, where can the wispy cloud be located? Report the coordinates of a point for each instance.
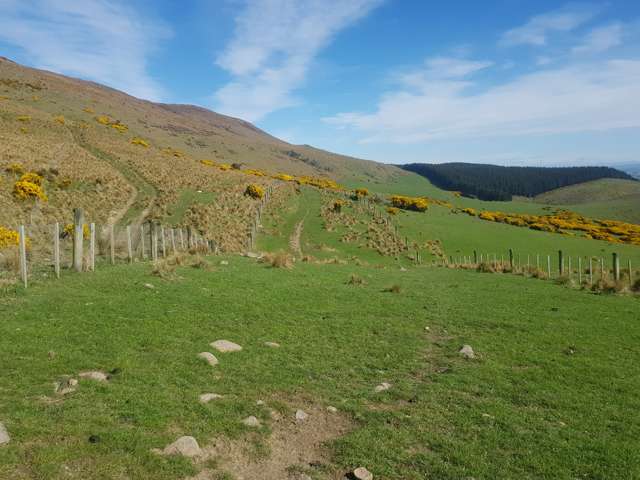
(537, 29)
(273, 47)
(103, 40)
(601, 39)
(591, 96)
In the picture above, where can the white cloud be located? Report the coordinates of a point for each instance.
(599, 95)
(102, 40)
(274, 44)
(537, 29)
(601, 39)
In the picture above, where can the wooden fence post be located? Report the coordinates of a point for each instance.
(560, 263)
(569, 266)
(511, 259)
(181, 239)
(78, 239)
(112, 244)
(164, 246)
(142, 253)
(22, 240)
(630, 272)
(154, 242)
(538, 261)
(549, 265)
(590, 270)
(129, 246)
(579, 270)
(92, 246)
(56, 249)
(475, 257)
(616, 267)
(173, 241)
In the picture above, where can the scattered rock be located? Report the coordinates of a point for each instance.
(402, 269)
(426, 329)
(65, 385)
(185, 446)
(251, 422)
(4, 435)
(94, 375)
(224, 262)
(272, 344)
(467, 352)
(209, 358)
(570, 350)
(362, 473)
(301, 415)
(207, 397)
(331, 409)
(486, 415)
(382, 387)
(149, 286)
(260, 403)
(225, 346)
(253, 255)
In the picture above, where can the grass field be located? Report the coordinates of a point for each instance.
(551, 394)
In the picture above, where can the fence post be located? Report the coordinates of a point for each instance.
(164, 246)
(23, 254)
(630, 274)
(590, 270)
(538, 261)
(142, 254)
(181, 239)
(56, 249)
(569, 266)
(560, 263)
(129, 246)
(112, 244)
(92, 246)
(549, 266)
(173, 241)
(475, 257)
(579, 270)
(616, 267)
(78, 238)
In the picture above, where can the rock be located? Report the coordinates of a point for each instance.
(467, 352)
(402, 269)
(331, 409)
(260, 403)
(253, 255)
(272, 344)
(94, 375)
(149, 286)
(251, 422)
(426, 329)
(225, 346)
(65, 385)
(209, 358)
(301, 415)
(382, 387)
(4, 435)
(207, 397)
(362, 473)
(224, 262)
(185, 446)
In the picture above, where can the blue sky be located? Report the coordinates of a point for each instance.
(511, 82)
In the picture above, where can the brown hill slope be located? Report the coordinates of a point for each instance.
(124, 159)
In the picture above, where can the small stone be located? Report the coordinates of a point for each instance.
(426, 329)
(402, 269)
(272, 344)
(65, 385)
(382, 387)
(209, 358)
(362, 473)
(225, 346)
(94, 375)
(251, 422)
(331, 409)
(4, 435)
(224, 262)
(207, 397)
(301, 415)
(185, 446)
(260, 403)
(253, 255)
(149, 286)
(467, 352)
(486, 415)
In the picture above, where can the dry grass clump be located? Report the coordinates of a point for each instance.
(356, 280)
(605, 285)
(486, 267)
(278, 260)
(636, 286)
(166, 267)
(393, 289)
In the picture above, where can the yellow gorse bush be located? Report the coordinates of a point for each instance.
(24, 118)
(417, 204)
(32, 177)
(8, 237)
(254, 191)
(173, 152)
(115, 124)
(69, 228)
(88, 110)
(393, 210)
(15, 168)
(59, 119)
(208, 163)
(26, 190)
(254, 172)
(140, 141)
(284, 177)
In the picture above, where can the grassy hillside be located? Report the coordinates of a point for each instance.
(535, 403)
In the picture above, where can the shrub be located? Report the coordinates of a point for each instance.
(356, 280)
(278, 260)
(409, 203)
(360, 193)
(59, 119)
(284, 177)
(15, 168)
(8, 237)
(254, 172)
(393, 210)
(254, 191)
(32, 177)
(26, 190)
(208, 163)
(140, 141)
(337, 205)
(224, 167)
(24, 118)
(68, 230)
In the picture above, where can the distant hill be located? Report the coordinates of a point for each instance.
(493, 182)
(632, 169)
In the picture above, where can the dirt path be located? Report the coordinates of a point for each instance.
(294, 241)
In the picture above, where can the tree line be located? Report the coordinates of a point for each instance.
(493, 182)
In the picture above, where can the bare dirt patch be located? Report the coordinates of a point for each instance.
(293, 447)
